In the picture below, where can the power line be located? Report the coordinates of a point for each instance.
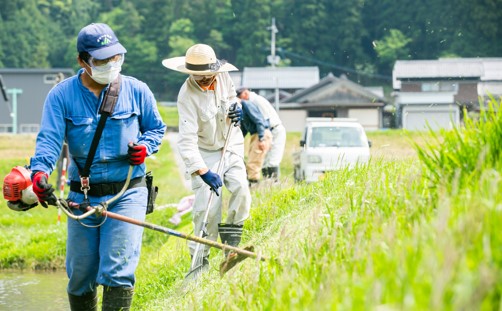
(347, 69)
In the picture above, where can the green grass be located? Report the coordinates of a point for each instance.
(379, 237)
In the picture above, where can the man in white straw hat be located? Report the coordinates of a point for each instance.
(208, 112)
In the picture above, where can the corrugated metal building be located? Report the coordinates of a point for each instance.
(26, 90)
(265, 80)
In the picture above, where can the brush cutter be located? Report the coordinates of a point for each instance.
(17, 188)
(197, 259)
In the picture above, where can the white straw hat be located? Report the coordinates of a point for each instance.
(199, 59)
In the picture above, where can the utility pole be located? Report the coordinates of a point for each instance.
(3, 89)
(274, 60)
(14, 93)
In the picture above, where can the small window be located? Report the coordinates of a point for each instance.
(29, 128)
(5, 128)
(336, 137)
(430, 87)
(51, 79)
(440, 86)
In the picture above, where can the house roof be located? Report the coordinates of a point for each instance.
(484, 69)
(279, 77)
(333, 91)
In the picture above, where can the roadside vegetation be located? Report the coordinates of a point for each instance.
(418, 228)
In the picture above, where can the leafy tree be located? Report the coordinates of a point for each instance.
(336, 35)
(181, 36)
(326, 31)
(141, 53)
(27, 44)
(248, 33)
(392, 47)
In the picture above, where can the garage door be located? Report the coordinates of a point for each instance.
(419, 118)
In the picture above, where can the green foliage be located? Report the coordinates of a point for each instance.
(181, 37)
(335, 35)
(392, 47)
(465, 153)
(169, 115)
(361, 239)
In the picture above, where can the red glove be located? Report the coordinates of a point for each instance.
(137, 153)
(43, 190)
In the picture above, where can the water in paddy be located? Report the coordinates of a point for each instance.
(33, 291)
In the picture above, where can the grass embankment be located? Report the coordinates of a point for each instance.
(390, 235)
(386, 235)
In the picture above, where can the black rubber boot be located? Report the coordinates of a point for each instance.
(87, 302)
(265, 172)
(274, 173)
(230, 235)
(117, 298)
(253, 182)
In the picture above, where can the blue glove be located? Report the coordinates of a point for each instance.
(235, 113)
(213, 180)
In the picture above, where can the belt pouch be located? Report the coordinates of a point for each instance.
(152, 193)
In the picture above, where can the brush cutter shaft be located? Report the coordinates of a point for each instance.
(197, 251)
(101, 211)
(183, 235)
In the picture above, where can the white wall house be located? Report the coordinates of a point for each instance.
(432, 93)
(333, 97)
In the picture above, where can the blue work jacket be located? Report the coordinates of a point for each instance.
(252, 121)
(71, 114)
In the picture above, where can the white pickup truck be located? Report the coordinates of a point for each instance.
(329, 144)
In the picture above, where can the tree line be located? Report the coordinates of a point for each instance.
(358, 38)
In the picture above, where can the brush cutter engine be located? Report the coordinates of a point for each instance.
(18, 190)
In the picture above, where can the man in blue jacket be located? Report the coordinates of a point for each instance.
(255, 124)
(99, 252)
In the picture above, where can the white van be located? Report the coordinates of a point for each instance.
(329, 144)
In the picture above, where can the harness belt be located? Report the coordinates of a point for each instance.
(99, 190)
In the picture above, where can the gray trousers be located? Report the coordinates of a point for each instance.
(235, 180)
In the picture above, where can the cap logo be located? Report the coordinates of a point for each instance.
(104, 39)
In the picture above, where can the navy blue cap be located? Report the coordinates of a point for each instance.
(100, 41)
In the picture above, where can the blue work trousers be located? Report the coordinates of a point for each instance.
(108, 253)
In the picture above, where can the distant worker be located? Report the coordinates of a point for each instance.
(271, 165)
(254, 123)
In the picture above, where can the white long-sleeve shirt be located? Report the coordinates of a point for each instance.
(203, 122)
(266, 109)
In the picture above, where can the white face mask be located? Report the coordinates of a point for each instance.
(106, 73)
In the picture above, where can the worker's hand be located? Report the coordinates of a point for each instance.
(263, 145)
(43, 190)
(136, 153)
(213, 180)
(235, 113)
